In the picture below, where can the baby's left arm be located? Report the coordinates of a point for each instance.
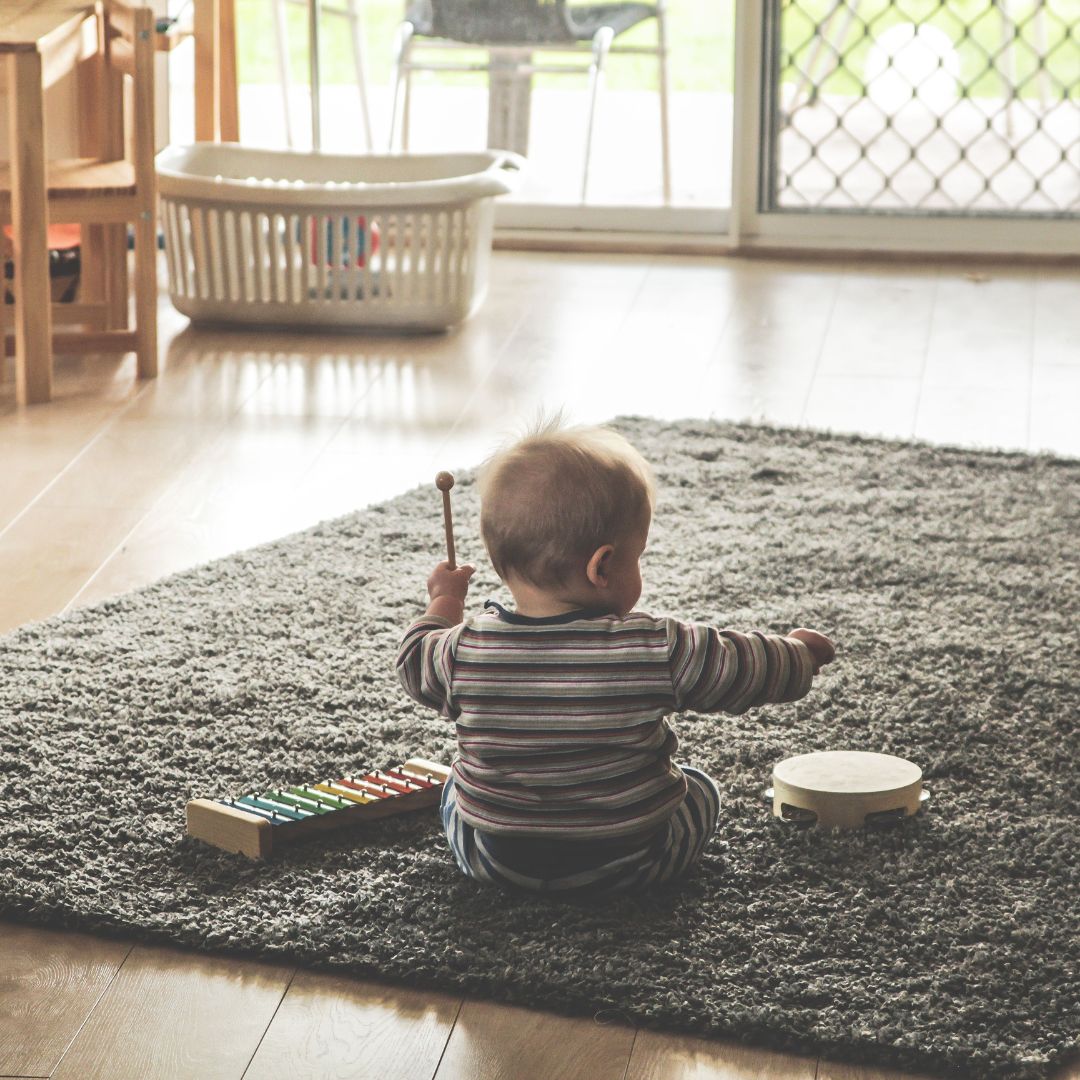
(726, 671)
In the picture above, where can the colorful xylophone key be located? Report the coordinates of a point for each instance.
(255, 823)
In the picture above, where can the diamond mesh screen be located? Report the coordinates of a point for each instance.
(971, 106)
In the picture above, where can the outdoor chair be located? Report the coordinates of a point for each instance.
(350, 12)
(511, 31)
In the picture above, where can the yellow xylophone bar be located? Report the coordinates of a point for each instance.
(254, 824)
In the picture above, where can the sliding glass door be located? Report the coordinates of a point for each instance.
(910, 123)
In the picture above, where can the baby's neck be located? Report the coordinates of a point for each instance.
(537, 603)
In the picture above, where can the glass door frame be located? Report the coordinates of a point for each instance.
(647, 226)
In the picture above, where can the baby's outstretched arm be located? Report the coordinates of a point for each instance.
(426, 654)
(727, 671)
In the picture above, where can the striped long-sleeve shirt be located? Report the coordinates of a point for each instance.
(561, 721)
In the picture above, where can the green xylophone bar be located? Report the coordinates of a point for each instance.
(255, 824)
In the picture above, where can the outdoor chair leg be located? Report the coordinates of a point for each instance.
(361, 71)
(665, 100)
(283, 66)
(402, 48)
(601, 44)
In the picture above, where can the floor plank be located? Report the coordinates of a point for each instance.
(989, 417)
(36, 447)
(501, 1042)
(983, 331)
(662, 1056)
(1071, 1071)
(834, 1071)
(170, 1015)
(1057, 329)
(50, 552)
(49, 983)
(335, 1028)
(764, 365)
(887, 406)
(1052, 426)
(880, 323)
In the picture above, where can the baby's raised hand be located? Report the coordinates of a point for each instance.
(821, 648)
(447, 582)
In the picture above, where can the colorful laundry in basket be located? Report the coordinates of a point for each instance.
(350, 240)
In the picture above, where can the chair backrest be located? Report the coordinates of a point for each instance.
(501, 22)
(127, 47)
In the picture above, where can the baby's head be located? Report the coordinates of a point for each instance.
(565, 515)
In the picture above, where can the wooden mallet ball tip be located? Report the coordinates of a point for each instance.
(444, 481)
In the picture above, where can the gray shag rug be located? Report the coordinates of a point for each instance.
(949, 580)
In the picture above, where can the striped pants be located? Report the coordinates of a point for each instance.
(662, 858)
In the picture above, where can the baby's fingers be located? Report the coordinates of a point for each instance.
(821, 648)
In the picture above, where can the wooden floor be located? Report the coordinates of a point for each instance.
(248, 436)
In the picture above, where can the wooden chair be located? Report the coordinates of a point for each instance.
(113, 185)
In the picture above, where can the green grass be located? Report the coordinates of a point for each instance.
(701, 44)
(700, 32)
(976, 27)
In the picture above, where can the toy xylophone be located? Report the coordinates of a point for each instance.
(254, 824)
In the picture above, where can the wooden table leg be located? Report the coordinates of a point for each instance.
(30, 221)
(206, 26)
(228, 101)
(216, 95)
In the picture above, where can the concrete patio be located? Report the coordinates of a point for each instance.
(626, 156)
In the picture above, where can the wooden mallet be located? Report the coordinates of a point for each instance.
(444, 481)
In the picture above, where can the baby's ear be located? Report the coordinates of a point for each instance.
(599, 565)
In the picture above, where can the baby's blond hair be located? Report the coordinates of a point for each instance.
(549, 500)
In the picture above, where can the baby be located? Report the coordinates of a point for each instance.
(564, 781)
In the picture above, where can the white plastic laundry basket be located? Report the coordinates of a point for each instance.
(274, 237)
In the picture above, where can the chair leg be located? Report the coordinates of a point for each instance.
(357, 27)
(116, 276)
(283, 66)
(146, 296)
(665, 101)
(402, 47)
(601, 44)
(406, 111)
(3, 315)
(93, 262)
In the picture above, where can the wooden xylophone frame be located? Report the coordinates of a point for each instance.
(281, 815)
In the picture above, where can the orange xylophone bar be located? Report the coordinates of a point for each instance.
(255, 824)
